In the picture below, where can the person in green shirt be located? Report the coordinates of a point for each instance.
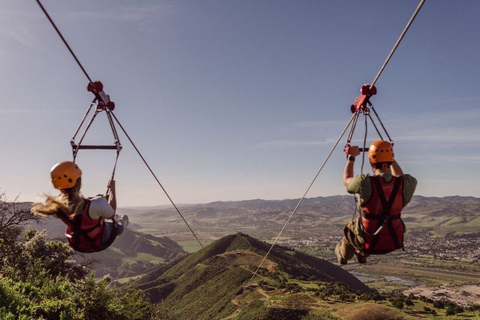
(381, 197)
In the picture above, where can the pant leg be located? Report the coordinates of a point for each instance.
(355, 240)
(344, 250)
(107, 232)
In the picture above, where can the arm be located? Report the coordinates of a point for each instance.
(348, 172)
(112, 199)
(396, 170)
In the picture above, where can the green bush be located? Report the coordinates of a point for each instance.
(39, 279)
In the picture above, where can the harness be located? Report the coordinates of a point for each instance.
(85, 234)
(381, 225)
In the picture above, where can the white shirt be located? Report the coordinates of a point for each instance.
(99, 208)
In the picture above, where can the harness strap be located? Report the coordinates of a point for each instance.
(79, 232)
(371, 216)
(386, 217)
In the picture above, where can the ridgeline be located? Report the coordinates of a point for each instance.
(204, 285)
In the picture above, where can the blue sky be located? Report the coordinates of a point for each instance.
(235, 100)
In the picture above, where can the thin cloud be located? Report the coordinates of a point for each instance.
(449, 118)
(443, 158)
(453, 126)
(450, 128)
(134, 13)
(453, 136)
(19, 33)
(22, 111)
(291, 143)
(318, 124)
(441, 134)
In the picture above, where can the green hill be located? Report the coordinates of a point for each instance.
(204, 284)
(135, 253)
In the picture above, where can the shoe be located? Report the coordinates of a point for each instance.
(124, 221)
(361, 259)
(339, 257)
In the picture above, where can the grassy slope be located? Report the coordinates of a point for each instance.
(204, 284)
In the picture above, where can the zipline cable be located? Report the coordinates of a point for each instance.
(158, 181)
(353, 119)
(304, 196)
(64, 41)
(398, 42)
(113, 128)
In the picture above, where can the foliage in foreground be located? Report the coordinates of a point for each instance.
(40, 279)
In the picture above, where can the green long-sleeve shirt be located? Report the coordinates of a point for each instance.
(362, 185)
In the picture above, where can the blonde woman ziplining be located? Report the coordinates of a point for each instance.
(92, 224)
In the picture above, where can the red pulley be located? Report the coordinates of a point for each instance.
(95, 87)
(362, 100)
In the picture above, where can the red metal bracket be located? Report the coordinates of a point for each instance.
(363, 99)
(96, 87)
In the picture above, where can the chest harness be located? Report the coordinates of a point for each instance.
(84, 233)
(380, 223)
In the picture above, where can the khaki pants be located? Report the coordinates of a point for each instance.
(350, 246)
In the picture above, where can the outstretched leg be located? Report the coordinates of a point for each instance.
(122, 223)
(344, 251)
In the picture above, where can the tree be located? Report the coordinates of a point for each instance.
(409, 302)
(439, 304)
(161, 312)
(458, 309)
(14, 214)
(40, 279)
(450, 310)
(35, 253)
(398, 303)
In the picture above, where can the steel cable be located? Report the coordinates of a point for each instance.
(158, 181)
(398, 42)
(111, 122)
(355, 118)
(304, 196)
(64, 41)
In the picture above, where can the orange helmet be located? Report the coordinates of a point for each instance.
(381, 151)
(65, 175)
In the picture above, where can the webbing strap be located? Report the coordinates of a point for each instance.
(372, 216)
(78, 232)
(386, 205)
(386, 210)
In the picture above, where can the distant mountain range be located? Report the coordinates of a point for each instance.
(225, 217)
(135, 252)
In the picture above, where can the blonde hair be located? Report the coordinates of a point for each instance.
(68, 202)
